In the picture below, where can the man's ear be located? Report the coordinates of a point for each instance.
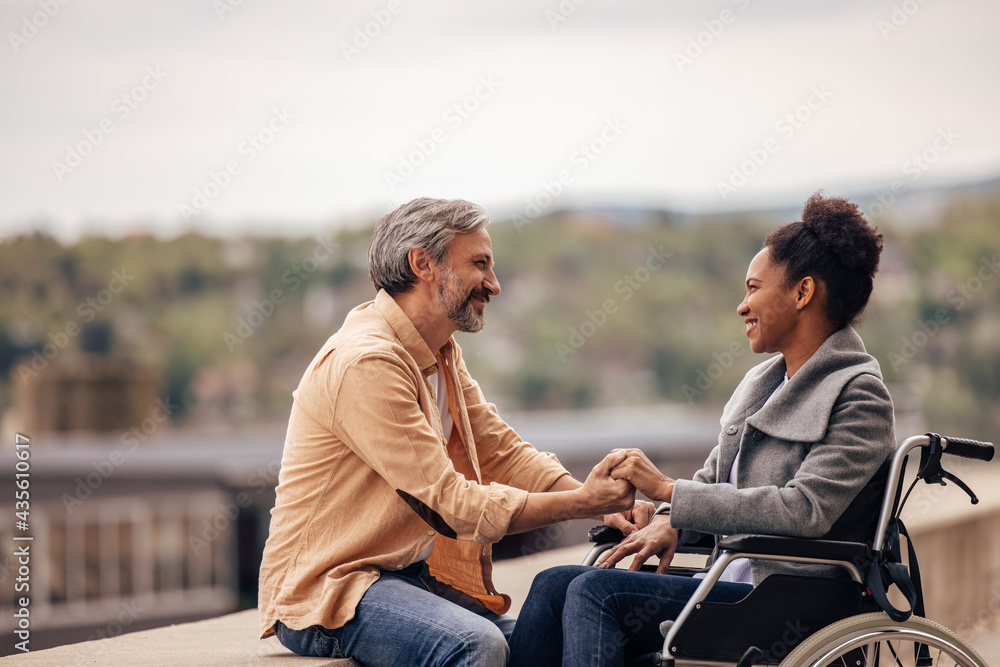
(423, 267)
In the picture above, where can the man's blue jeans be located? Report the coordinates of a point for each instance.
(410, 618)
(582, 616)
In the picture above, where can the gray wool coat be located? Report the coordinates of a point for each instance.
(808, 458)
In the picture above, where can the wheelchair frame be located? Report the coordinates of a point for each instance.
(855, 558)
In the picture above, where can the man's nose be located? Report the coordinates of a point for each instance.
(492, 284)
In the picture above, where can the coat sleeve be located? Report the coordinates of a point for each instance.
(780, 498)
(707, 475)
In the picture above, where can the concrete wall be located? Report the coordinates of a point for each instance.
(958, 547)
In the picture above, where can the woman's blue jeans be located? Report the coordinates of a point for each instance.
(582, 616)
(410, 618)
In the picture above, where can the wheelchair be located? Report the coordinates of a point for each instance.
(857, 624)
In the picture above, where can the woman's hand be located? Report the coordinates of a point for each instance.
(631, 520)
(658, 538)
(644, 476)
(602, 493)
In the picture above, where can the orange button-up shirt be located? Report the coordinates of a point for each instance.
(368, 479)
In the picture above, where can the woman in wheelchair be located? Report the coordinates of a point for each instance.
(802, 439)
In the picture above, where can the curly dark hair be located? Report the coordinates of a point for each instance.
(834, 244)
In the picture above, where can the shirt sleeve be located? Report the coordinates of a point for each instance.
(376, 413)
(503, 456)
(858, 439)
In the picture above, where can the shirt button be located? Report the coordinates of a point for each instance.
(758, 435)
(733, 428)
(399, 567)
(430, 532)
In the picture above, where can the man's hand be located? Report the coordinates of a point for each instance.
(603, 494)
(644, 476)
(632, 520)
(658, 538)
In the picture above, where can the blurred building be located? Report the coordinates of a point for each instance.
(84, 393)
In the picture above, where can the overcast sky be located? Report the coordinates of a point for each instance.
(288, 117)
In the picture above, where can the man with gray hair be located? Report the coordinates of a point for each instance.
(397, 476)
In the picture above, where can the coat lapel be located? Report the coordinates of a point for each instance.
(748, 398)
(813, 390)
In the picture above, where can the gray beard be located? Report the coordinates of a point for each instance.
(461, 312)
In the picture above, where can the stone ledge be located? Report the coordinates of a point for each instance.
(222, 642)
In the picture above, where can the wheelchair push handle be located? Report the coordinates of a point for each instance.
(970, 449)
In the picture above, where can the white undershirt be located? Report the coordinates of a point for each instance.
(739, 570)
(439, 381)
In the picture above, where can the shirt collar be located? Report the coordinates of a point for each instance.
(407, 334)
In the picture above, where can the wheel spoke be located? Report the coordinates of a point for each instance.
(871, 655)
(894, 655)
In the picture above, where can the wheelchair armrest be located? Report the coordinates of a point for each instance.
(606, 535)
(796, 547)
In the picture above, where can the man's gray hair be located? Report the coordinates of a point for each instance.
(425, 223)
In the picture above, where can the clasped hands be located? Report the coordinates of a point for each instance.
(645, 535)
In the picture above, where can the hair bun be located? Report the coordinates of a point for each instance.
(842, 229)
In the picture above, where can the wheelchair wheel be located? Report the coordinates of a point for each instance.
(874, 640)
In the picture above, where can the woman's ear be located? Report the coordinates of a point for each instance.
(804, 292)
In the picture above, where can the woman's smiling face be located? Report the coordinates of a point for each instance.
(768, 309)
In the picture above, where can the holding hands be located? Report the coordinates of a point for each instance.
(611, 494)
(650, 537)
(643, 475)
